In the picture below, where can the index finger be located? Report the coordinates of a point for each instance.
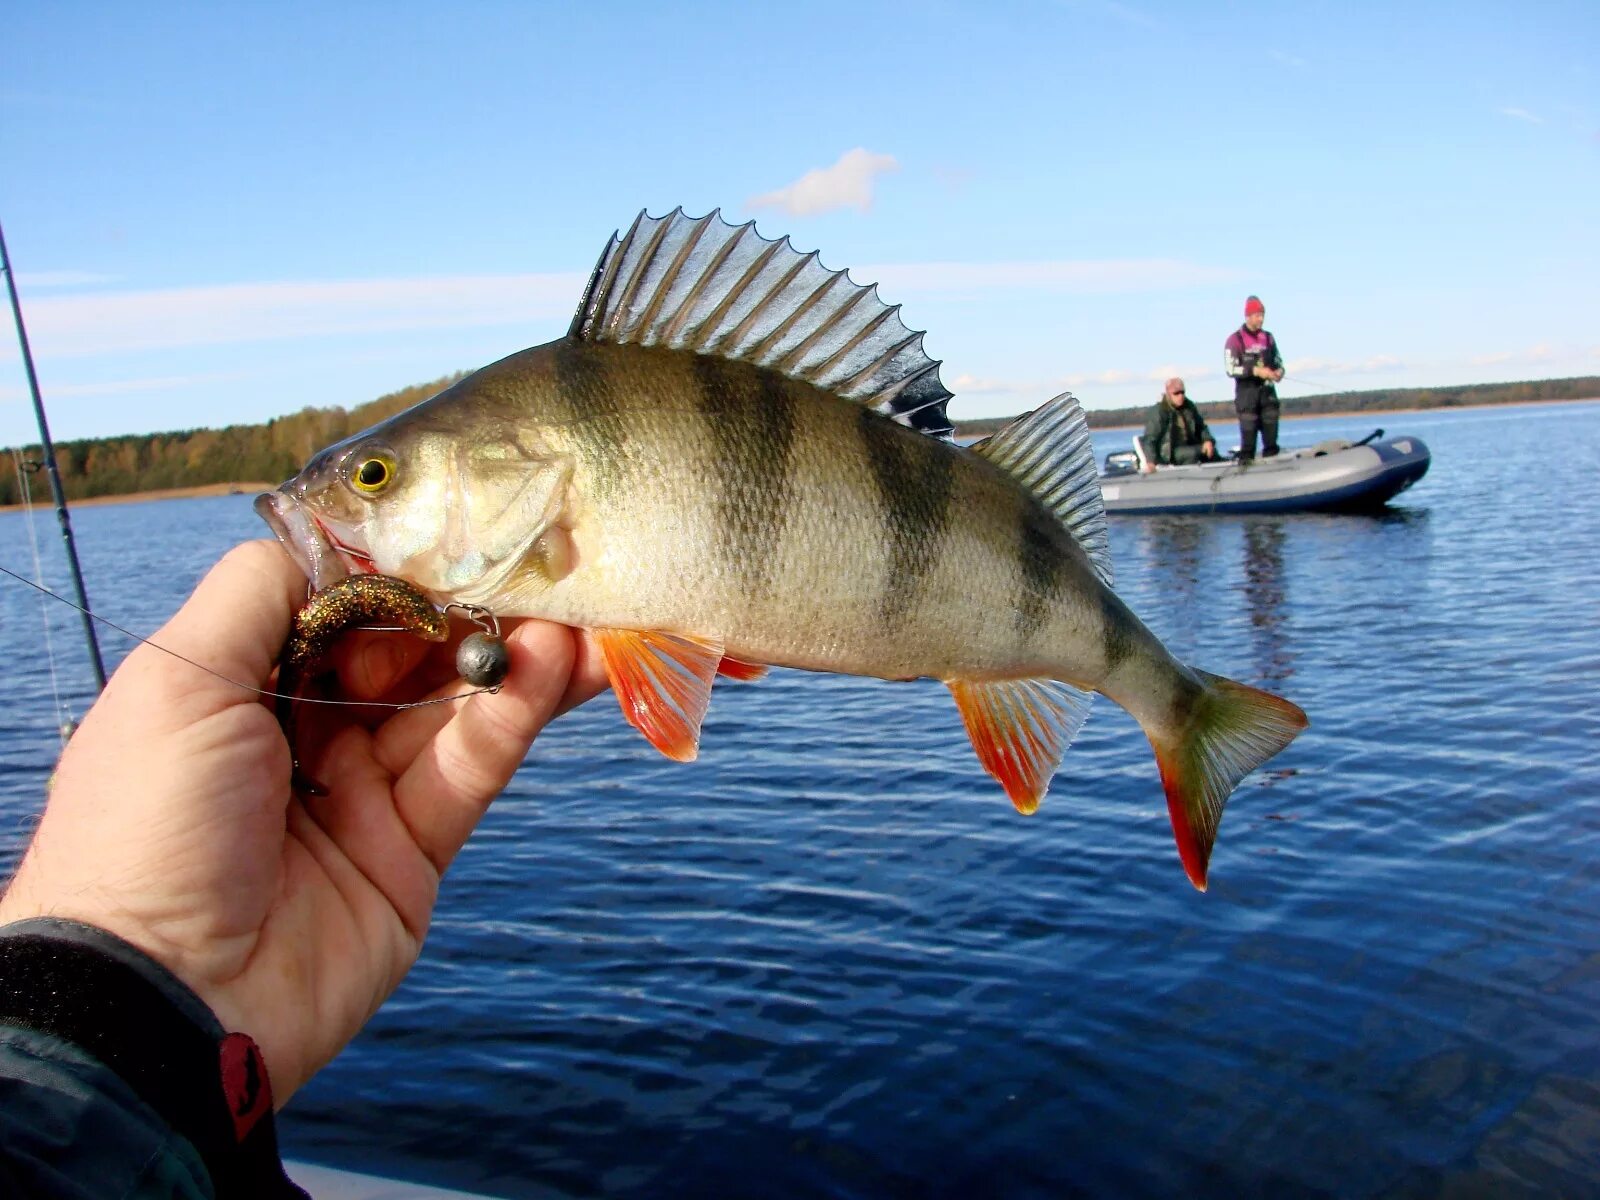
(456, 773)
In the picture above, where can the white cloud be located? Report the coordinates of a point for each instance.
(846, 184)
(1288, 60)
(123, 387)
(54, 279)
(108, 322)
(1522, 114)
(1538, 353)
(1330, 366)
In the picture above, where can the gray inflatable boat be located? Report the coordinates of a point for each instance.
(1332, 476)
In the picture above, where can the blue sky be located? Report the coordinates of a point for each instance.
(222, 213)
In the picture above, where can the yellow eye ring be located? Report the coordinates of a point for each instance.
(372, 475)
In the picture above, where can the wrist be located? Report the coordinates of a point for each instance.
(84, 986)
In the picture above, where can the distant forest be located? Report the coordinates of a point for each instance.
(1584, 387)
(274, 451)
(267, 453)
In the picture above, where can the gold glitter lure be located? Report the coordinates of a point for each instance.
(337, 608)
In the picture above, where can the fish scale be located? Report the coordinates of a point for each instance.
(738, 458)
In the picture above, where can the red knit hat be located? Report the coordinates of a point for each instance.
(1253, 306)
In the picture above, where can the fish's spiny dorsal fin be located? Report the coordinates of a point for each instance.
(1048, 452)
(701, 284)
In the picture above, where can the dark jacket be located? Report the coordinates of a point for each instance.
(1168, 430)
(117, 1080)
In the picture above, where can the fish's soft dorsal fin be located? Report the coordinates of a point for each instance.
(1048, 452)
(701, 284)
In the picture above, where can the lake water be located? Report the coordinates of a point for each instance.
(828, 959)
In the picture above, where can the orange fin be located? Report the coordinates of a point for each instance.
(1020, 729)
(1231, 730)
(663, 682)
(735, 668)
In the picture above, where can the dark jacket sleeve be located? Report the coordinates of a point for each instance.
(1200, 424)
(1155, 433)
(117, 1080)
(1274, 356)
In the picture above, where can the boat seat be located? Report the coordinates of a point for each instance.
(1138, 449)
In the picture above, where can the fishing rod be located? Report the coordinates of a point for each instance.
(49, 452)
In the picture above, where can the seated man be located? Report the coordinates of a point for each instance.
(1175, 433)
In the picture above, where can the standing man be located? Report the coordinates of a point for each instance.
(1175, 433)
(1251, 356)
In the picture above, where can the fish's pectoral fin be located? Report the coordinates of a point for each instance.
(737, 668)
(1231, 730)
(1020, 729)
(663, 683)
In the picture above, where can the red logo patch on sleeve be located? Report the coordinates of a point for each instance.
(244, 1083)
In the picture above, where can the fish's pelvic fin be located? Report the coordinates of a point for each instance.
(701, 284)
(736, 668)
(1049, 453)
(1020, 729)
(1232, 729)
(663, 683)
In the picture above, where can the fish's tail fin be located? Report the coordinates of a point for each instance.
(1231, 730)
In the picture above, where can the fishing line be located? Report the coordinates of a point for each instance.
(64, 728)
(236, 683)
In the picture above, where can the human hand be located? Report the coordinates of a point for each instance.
(1208, 448)
(171, 824)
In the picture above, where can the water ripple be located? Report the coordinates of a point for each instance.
(829, 960)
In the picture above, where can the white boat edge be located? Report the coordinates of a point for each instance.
(326, 1183)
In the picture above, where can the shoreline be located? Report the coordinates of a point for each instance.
(246, 488)
(1377, 412)
(250, 487)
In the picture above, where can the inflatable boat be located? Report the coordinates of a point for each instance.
(1332, 476)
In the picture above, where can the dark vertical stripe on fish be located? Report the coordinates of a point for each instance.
(750, 413)
(584, 386)
(1042, 568)
(916, 485)
(1117, 633)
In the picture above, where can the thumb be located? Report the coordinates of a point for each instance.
(238, 617)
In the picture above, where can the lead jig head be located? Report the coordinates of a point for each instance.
(483, 660)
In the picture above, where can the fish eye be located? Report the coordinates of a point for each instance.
(372, 475)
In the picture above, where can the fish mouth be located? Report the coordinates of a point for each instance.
(303, 536)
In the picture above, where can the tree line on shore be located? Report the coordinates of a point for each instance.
(266, 453)
(1582, 387)
(116, 466)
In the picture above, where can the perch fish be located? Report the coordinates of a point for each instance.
(736, 457)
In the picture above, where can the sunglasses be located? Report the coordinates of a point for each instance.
(1179, 392)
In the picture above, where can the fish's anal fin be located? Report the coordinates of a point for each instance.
(703, 285)
(1231, 730)
(736, 668)
(1020, 729)
(1048, 452)
(663, 683)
